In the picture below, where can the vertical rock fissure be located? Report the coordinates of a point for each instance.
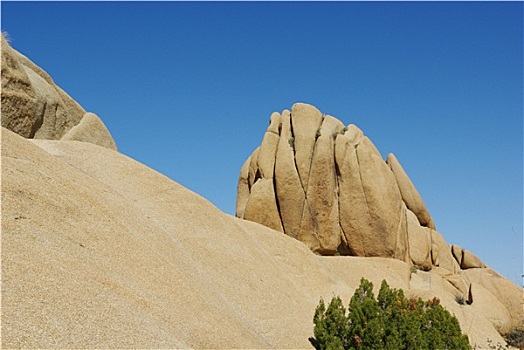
(276, 198)
(313, 217)
(308, 170)
(363, 191)
(399, 229)
(338, 175)
(294, 151)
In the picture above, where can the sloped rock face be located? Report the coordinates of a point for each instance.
(91, 237)
(34, 107)
(327, 185)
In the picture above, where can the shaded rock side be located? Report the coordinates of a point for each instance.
(34, 107)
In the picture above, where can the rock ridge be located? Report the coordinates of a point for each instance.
(34, 107)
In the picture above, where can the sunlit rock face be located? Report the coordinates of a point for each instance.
(326, 184)
(33, 106)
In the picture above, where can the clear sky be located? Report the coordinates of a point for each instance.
(187, 88)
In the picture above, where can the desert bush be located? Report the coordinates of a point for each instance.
(391, 321)
(460, 299)
(515, 338)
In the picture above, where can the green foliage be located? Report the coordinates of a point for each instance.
(389, 322)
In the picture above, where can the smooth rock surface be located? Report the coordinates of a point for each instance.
(470, 260)
(91, 129)
(409, 193)
(99, 251)
(334, 192)
(419, 242)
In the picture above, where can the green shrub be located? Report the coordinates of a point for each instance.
(391, 321)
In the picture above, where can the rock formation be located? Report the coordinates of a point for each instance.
(100, 251)
(33, 106)
(327, 185)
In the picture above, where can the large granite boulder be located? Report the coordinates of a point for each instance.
(332, 189)
(33, 106)
(327, 185)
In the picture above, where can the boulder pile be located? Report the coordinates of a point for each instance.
(326, 184)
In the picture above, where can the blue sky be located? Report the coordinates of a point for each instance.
(187, 88)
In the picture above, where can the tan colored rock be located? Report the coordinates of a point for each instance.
(243, 189)
(267, 155)
(384, 201)
(135, 254)
(355, 216)
(460, 282)
(505, 291)
(262, 207)
(50, 107)
(457, 253)
(289, 192)
(490, 306)
(275, 123)
(91, 129)
(441, 253)
(419, 242)
(306, 121)
(321, 212)
(34, 107)
(409, 193)
(254, 172)
(470, 260)
(333, 190)
(18, 98)
(335, 193)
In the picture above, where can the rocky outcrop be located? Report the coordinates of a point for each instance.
(324, 194)
(327, 185)
(332, 190)
(91, 237)
(33, 106)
